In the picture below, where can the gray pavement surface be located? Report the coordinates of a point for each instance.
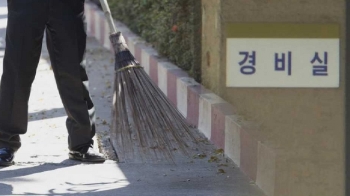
(42, 166)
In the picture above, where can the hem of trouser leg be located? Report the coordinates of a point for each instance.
(83, 148)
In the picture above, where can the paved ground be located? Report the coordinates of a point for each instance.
(42, 167)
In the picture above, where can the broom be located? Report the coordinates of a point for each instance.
(145, 124)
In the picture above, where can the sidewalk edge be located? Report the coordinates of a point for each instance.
(213, 116)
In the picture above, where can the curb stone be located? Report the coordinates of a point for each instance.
(213, 116)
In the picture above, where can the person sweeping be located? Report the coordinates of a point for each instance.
(63, 21)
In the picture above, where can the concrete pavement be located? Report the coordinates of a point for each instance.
(42, 165)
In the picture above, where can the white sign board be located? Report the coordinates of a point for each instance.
(282, 62)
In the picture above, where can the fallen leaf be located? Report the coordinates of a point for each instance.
(108, 84)
(221, 171)
(219, 151)
(200, 156)
(213, 159)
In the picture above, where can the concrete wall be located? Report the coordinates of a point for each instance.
(302, 129)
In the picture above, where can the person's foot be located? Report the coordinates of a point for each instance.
(90, 156)
(6, 157)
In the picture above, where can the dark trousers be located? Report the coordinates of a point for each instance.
(63, 21)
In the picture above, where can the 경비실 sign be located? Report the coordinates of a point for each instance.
(282, 55)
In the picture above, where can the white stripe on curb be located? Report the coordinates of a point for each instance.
(233, 139)
(145, 58)
(163, 68)
(88, 18)
(181, 93)
(266, 169)
(106, 41)
(98, 26)
(205, 103)
(131, 44)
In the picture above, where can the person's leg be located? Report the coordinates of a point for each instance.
(66, 41)
(24, 34)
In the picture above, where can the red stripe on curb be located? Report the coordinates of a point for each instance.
(173, 75)
(153, 68)
(193, 93)
(127, 41)
(249, 155)
(92, 18)
(129, 36)
(218, 113)
(102, 30)
(111, 48)
(138, 53)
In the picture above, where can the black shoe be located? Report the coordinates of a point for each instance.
(90, 156)
(6, 157)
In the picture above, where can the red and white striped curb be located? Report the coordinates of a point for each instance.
(213, 116)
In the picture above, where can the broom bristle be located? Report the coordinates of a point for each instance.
(143, 116)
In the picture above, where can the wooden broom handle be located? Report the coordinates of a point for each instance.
(107, 12)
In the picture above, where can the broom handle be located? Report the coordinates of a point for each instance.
(107, 12)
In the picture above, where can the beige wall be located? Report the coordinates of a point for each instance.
(211, 39)
(305, 125)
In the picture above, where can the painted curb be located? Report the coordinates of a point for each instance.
(213, 116)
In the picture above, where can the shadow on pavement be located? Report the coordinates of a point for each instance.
(2, 16)
(128, 179)
(32, 170)
(74, 188)
(24, 178)
(6, 189)
(47, 114)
